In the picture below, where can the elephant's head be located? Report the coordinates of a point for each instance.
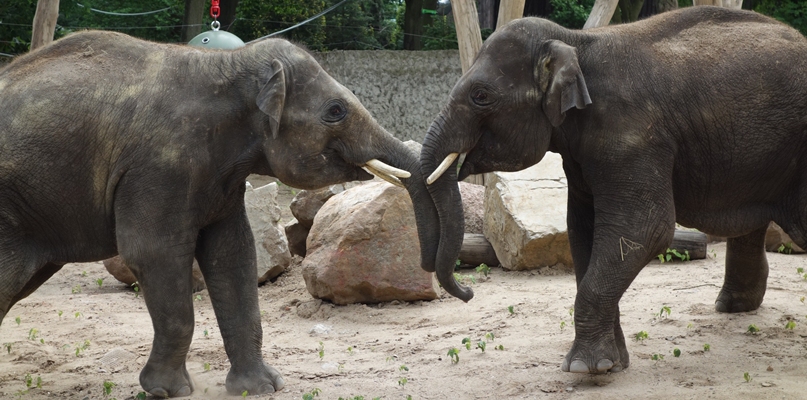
(501, 114)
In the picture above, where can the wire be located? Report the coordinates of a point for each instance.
(327, 10)
(7, 55)
(125, 14)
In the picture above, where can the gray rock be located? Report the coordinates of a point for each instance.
(296, 234)
(473, 206)
(776, 237)
(525, 216)
(363, 248)
(307, 203)
(270, 238)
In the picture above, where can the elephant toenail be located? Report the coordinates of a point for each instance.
(159, 392)
(266, 388)
(616, 368)
(565, 366)
(604, 365)
(579, 367)
(184, 391)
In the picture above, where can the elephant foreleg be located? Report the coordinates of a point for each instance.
(226, 255)
(746, 273)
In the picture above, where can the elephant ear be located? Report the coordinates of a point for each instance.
(272, 96)
(561, 80)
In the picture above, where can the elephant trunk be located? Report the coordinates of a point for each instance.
(449, 225)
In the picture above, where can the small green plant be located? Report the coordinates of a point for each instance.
(785, 248)
(402, 381)
(747, 377)
(99, 282)
(143, 395)
(39, 382)
(29, 381)
(403, 368)
(76, 289)
(481, 345)
(350, 350)
(511, 310)
(464, 278)
(490, 336)
(60, 313)
(206, 333)
(32, 334)
(82, 346)
(664, 312)
(454, 353)
(499, 347)
(467, 343)
(198, 297)
(244, 394)
(206, 366)
(313, 393)
(676, 352)
(457, 264)
(8, 347)
(483, 269)
(136, 288)
(657, 357)
(668, 255)
(752, 329)
(321, 350)
(790, 325)
(690, 326)
(562, 325)
(108, 385)
(639, 336)
(83, 273)
(801, 299)
(17, 320)
(78, 314)
(800, 270)
(706, 347)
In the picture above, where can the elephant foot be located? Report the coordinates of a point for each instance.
(733, 301)
(598, 357)
(164, 383)
(261, 380)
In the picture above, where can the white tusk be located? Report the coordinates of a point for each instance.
(391, 179)
(388, 169)
(442, 168)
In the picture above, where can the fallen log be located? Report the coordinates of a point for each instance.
(477, 250)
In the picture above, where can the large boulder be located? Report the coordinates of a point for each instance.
(363, 248)
(297, 234)
(307, 203)
(525, 216)
(270, 237)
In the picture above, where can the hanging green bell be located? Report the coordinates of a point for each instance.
(216, 39)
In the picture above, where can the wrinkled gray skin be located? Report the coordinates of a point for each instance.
(697, 116)
(112, 145)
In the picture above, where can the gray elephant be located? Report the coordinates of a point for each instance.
(113, 145)
(697, 116)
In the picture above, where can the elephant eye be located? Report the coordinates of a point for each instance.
(334, 112)
(480, 97)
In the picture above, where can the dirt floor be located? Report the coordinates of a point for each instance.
(394, 350)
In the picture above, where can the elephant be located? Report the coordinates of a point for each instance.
(696, 116)
(114, 145)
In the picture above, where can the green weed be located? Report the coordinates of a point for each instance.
(664, 312)
(668, 255)
(785, 248)
(706, 347)
(676, 352)
(752, 329)
(511, 310)
(17, 320)
(747, 377)
(108, 385)
(639, 336)
(321, 350)
(790, 325)
(483, 269)
(454, 353)
(313, 393)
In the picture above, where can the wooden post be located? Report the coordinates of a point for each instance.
(192, 19)
(601, 13)
(735, 4)
(469, 38)
(509, 10)
(47, 12)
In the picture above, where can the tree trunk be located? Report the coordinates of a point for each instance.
(476, 249)
(509, 10)
(192, 19)
(227, 17)
(628, 11)
(601, 13)
(735, 4)
(487, 14)
(413, 25)
(665, 5)
(469, 37)
(47, 12)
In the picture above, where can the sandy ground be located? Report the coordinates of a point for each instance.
(368, 350)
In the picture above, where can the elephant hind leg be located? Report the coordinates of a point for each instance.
(20, 276)
(746, 273)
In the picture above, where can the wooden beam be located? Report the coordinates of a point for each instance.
(509, 10)
(735, 4)
(469, 38)
(601, 13)
(477, 250)
(47, 12)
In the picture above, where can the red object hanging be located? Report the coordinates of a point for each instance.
(215, 10)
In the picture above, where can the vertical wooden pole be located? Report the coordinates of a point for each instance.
(469, 38)
(601, 13)
(47, 12)
(509, 10)
(192, 19)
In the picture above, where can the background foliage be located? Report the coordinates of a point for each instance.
(357, 24)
